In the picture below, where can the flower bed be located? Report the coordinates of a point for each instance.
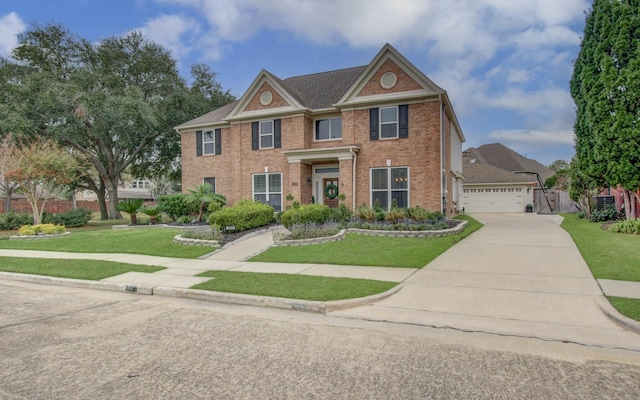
(38, 236)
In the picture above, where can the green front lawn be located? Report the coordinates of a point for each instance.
(609, 255)
(302, 287)
(97, 239)
(92, 270)
(628, 307)
(377, 251)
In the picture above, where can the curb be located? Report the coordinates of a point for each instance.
(317, 307)
(616, 317)
(79, 283)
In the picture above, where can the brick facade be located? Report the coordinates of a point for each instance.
(426, 150)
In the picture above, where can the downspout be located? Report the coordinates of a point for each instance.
(441, 152)
(353, 178)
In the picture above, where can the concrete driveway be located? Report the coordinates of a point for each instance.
(520, 275)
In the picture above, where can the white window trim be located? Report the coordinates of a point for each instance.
(397, 122)
(389, 190)
(261, 135)
(205, 142)
(268, 192)
(315, 132)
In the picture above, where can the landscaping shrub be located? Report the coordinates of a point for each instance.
(131, 207)
(154, 213)
(213, 234)
(12, 220)
(632, 227)
(312, 230)
(341, 214)
(608, 213)
(395, 215)
(308, 213)
(365, 213)
(246, 214)
(47, 229)
(175, 206)
(70, 219)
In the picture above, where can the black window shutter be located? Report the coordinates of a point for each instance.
(198, 143)
(218, 134)
(404, 121)
(277, 134)
(373, 124)
(255, 136)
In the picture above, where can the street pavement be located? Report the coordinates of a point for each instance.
(521, 275)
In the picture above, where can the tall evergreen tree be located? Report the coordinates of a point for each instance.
(605, 87)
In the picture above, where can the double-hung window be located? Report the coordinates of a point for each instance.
(208, 142)
(388, 122)
(211, 182)
(390, 187)
(328, 129)
(267, 188)
(266, 134)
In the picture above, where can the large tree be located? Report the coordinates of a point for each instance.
(606, 89)
(42, 170)
(114, 102)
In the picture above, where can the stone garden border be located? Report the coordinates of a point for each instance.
(400, 234)
(39, 236)
(195, 242)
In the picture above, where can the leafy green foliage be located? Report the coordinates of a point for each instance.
(152, 211)
(246, 214)
(308, 213)
(203, 195)
(608, 213)
(176, 206)
(131, 207)
(311, 230)
(70, 219)
(341, 214)
(628, 226)
(605, 87)
(12, 220)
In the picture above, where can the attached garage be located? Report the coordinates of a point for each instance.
(488, 189)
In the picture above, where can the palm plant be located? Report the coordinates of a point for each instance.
(153, 212)
(203, 195)
(131, 207)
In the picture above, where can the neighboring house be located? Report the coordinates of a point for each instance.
(497, 179)
(382, 133)
(127, 189)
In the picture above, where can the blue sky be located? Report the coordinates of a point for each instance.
(506, 64)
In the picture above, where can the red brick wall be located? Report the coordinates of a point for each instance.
(403, 83)
(52, 206)
(255, 104)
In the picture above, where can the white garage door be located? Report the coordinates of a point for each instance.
(494, 199)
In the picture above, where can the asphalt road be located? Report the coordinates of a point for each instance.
(64, 343)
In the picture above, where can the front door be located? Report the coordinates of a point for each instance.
(330, 195)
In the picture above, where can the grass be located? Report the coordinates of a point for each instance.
(100, 238)
(302, 287)
(628, 307)
(93, 270)
(379, 251)
(609, 255)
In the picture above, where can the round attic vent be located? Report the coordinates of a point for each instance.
(388, 80)
(266, 98)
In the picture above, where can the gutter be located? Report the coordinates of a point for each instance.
(442, 189)
(353, 177)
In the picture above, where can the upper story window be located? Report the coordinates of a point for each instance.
(328, 129)
(388, 122)
(266, 134)
(208, 142)
(140, 184)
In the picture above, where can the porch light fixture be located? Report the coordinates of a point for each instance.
(388, 163)
(308, 180)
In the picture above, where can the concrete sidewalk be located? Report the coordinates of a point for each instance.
(520, 275)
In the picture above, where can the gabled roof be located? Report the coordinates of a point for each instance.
(478, 173)
(500, 156)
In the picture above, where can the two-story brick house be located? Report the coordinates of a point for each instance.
(376, 133)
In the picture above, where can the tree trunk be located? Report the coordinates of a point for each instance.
(7, 201)
(74, 203)
(627, 204)
(112, 192)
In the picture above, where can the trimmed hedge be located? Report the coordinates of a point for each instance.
(13, 220)
(70, 219)
(246, 214)
(308, 213)
(175, 206)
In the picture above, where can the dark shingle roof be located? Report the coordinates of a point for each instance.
(485, 173)
(500, 156)
(211, 117)
(323, 89)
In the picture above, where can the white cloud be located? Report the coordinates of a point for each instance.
(11, 25)
(171, 31)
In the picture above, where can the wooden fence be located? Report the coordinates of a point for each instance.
(559, 200)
